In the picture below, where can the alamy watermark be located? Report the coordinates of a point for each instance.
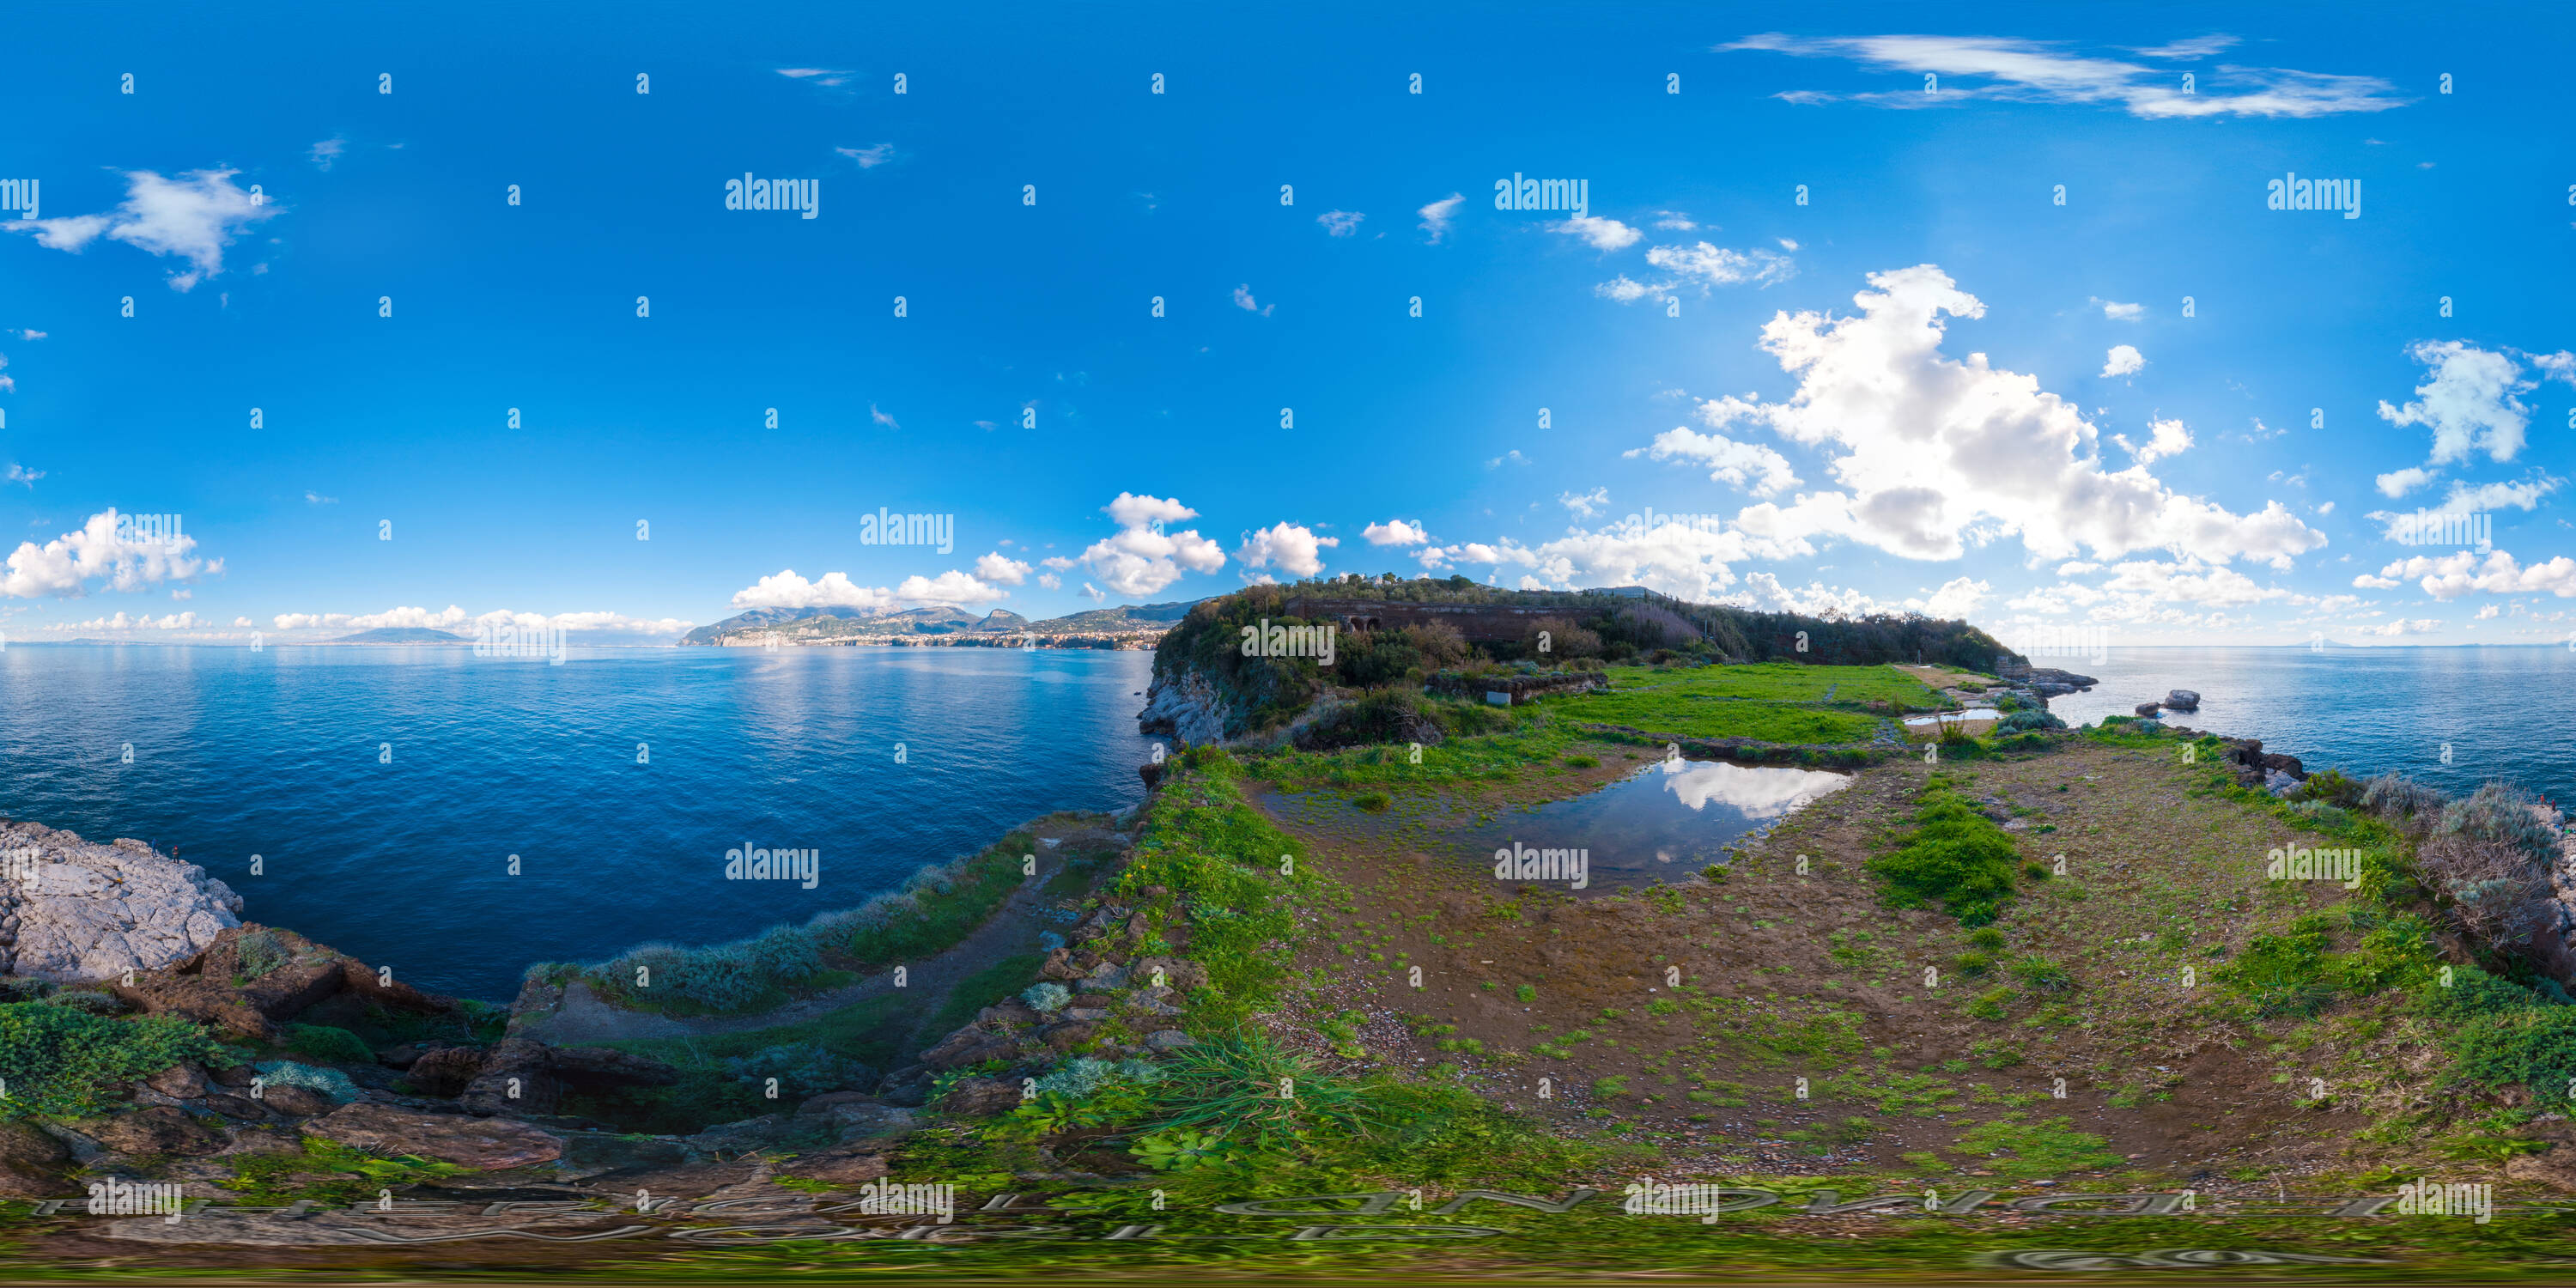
(2093, 642)
(748, 864)
(18, 195)
(885, 1198)
(1518, 862)
(2295, 193)
(747, 193)
(2298, 863)
(2426, 1198)
(521, 641)
(116, 1197)
(1272, 639)
(2443, 528)
(885, 528)
(149, 530)
(1650, 521)
(20, 864)
(1571, 195)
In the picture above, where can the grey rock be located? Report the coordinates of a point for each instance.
(94, 912)
(2183, 700)
(1168, 1040)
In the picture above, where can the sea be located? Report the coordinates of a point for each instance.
(459, 818)
(2453, 717)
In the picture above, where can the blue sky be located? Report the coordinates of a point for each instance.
(1803, 381)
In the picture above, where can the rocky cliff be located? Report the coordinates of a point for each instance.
(72, 911)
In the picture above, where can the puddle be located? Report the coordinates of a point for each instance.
(1664, 822)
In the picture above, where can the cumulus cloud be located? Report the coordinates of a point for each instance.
(1395, 532)
(193, 217)
(1437, 216)
(2400, 482)
(1599, 233)
(1340, 223)
(1957, 598)
(1243, 300)
(2470, 402)
(1141, 558)
(2166, 437)
(1050, 581)
(1001, 569)
(2524, 495)
(128, 560)
(951, 588)
(2123, 360)
(785, 589)
(457, 621)
(1751, 466)
(1295, 550)
(1585, 504)
(1938, 450)
(2119, 312)
(2009, 69)
(1709, 265)
(2494, 572)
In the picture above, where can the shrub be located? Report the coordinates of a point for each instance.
(1047, 999)
(89, 1000)
(1526, 992)
(2493, 891)
(1986, 937)
(2397, 796)
(802, 1069)
(1973, 963)
(64, 1062)
(2029, 721)
(260, 952)
(288, 1073)
(322, 1042)
(2332, 788)
(2039, 974)
(2284, 974)
(1382, 716)
(2505, 814)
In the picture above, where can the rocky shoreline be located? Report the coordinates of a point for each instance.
(73, 911)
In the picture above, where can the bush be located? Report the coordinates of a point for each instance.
(2029, 721)
(2400, 797)
(322, 1042)
(2332, 788)
(288, 1073)
(802, 1069)
(1383, 716)
(2039, 974)
(64, 1062)
(2493, 891)
(2503, 814)
(1986, 937)
(1047, 999)
(260, 952)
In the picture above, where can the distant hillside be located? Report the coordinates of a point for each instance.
(401, 635)
(1125, 615)
(851, 625)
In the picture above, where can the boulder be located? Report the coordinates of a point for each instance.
(751, 1135)
(93, 912)
(484, 1144)
(981, 1097)
(2278, 783)
(970, 1045)
(233, 1075)
(251, 978)
(241, 1108)
(294, 1101)
(1008, 1012)
(1104, 977)
(1167, 1040)
(179, 1082)
(160, 1130)
(2148, 709)
(447, 1071)
(1059, 966)
(1152, 773)
(32, 1162)
(2286, 764)
(1069, 1035)
(1177, 973)
(2183, 700)
(516, 1078)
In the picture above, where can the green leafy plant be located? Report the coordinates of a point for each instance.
(62, 1062)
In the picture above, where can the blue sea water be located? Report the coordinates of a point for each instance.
(2453, 717)
(385, 789)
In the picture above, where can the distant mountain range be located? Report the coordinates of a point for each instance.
(834, 625)
(401, 635)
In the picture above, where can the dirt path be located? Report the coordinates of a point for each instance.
(582, 1016)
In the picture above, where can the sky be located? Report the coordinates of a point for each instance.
(331, 318)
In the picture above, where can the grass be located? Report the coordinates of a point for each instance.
(1705, 716)
(985, 987)
(872, 1031)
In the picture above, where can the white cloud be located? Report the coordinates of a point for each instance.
(2553, 366)
(2192, 50)
(457, 621)
(1294, 549)
(1093, 592)
(1395, 532)
(1436, 217)
(787, 590)
(1585, 504)
(2401, 482)
(1050, 581)
(2123, 360)
(1675, 221)
(2495, 572)
(869, 157)
(1601, 234)
(818, 75)
(327, 151)
(2469, 403)
(1710, 265)
(1939, 451)
(65, 566)
(951, 588)
(1627, 290)
(1957, 598)
(2487, 612)
(2119, 312)
(241, 621)
(1141, 558)
(1512, 457)
(1243, 300)
(1340, 223)
(1750, 466)
(2400, 627)
(27, 334)
(316, 498)
(2031, 71)
(2168, 437)
(883, 418)
(194, 217)
(2524, 495)
(1001, 569)
(1763, 593)
(17, 473)
(2368, 582)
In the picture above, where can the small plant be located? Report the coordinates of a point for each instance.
(322, 1042)
(1048, 998)
(1372, 802)
(259, 953)
(1526, 992)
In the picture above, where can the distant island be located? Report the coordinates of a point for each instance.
(1128, 626)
